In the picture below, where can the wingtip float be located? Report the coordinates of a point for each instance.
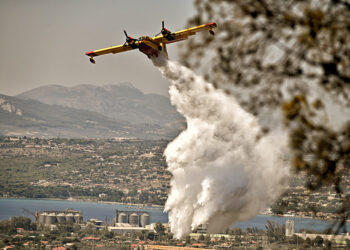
(152, 46)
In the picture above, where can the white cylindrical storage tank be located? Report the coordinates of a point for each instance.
(70, 218)
(145, 219)
(78, 218)
(134, 219)
(61, 218)
(51, 219)
(122, 218)
(42, 218)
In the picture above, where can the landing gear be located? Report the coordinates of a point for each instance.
(92, 60)
(211, 32)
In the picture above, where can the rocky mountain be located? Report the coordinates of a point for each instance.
(118, 101)
(32, 118)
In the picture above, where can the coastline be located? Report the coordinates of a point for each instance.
(13, 207)
(302, 217)
(136, 205)
(160, 207)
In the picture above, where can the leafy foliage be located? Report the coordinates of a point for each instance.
(9, 227)
(159, 228)
(275, 231)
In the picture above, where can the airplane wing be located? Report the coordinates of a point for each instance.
(184, 34)
(114, 50)
(151, 46)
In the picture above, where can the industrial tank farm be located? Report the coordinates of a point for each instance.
(134, 218)
(54, 217)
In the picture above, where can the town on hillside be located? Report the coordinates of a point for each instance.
(122, 170)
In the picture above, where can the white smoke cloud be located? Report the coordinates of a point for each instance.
(222, 173)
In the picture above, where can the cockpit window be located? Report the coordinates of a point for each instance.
(144, 38)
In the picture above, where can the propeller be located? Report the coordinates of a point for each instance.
(164, 31)
(129, 39)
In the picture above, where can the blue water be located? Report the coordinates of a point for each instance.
(14, 207)
(102, 211)
(299, 223)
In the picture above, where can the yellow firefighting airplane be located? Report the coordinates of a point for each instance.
(152, 46)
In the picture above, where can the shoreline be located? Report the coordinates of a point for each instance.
(154, 206)
(303, 217)
(91, 201)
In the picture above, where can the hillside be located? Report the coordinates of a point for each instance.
(32, 118)
(118, 101)
(83, 169)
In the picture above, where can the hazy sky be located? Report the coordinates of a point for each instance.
(44, 41)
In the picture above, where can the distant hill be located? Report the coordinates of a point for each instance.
(31, 118)
(118, 101)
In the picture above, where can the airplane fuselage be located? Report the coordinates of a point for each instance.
(150, 48)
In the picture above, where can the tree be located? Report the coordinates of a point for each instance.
(286, 62)
(151, 236)
(328, 244)
(159, 228)
(278, 208)
(347, 243)
(207, 239)
(109, 234)
(188, 239)
(318, 241)
(142, 235)
(313, 208)
(65, 228)
(73, 247)
(143, 198)
(307, 242)
(275, 231)
(9, 227)
(293, 240)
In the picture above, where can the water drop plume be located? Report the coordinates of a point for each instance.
(222, 172)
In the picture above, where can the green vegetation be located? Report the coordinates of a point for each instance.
(21, 233)
(9, 227)
(128, 171)
(108, 170)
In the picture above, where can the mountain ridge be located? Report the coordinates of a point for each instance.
(32, 118)
(118, 101)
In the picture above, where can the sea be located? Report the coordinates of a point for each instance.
(106, 212)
